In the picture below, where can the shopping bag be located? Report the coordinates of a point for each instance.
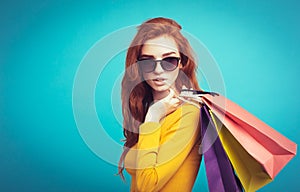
(249, 171)
(257, 152)
(267, 146)
(219, 171)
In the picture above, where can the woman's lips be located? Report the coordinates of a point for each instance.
(159, 81)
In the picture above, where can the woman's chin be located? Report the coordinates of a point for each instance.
(160, 92)
(161, 88)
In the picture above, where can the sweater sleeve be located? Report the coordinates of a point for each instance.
(157, 162)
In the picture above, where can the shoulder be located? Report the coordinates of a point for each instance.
(190, 107)
(186, 112)
(187, 108)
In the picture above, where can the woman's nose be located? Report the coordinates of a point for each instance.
(158, 69)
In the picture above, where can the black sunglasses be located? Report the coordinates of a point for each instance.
(149, 65)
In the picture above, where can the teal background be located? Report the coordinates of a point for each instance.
(42, 43)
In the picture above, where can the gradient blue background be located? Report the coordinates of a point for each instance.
(256, 44)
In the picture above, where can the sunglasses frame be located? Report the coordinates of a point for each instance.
(155, 61)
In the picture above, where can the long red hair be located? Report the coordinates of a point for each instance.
(136, 93)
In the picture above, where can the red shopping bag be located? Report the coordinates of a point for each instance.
(267, 146)
(249, 171)
(257, 151)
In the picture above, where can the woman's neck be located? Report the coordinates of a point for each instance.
(158, 95)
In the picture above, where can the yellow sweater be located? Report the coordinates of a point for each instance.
(166, 156)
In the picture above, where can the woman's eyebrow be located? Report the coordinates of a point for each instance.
(169, 53)
(146, 56)
(151, 56)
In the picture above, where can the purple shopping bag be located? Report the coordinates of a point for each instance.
(219, 171)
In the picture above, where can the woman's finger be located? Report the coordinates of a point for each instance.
(169, 96)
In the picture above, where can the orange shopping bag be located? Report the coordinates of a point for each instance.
(257, 151)
(271, 149)
(249, 171)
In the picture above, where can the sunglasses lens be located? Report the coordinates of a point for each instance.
(170, 63)
(147, 65)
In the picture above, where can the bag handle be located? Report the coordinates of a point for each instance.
(198, 92)
(193, 96)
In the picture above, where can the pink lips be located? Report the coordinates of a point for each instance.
(159, 81)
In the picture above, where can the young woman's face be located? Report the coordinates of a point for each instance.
(162, 76)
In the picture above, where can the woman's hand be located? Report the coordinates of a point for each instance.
(162, 107)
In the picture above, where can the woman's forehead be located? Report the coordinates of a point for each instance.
(160, 45)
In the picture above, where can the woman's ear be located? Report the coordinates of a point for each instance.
(180, 65)
(183, 60)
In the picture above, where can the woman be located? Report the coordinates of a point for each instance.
(162, 133)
